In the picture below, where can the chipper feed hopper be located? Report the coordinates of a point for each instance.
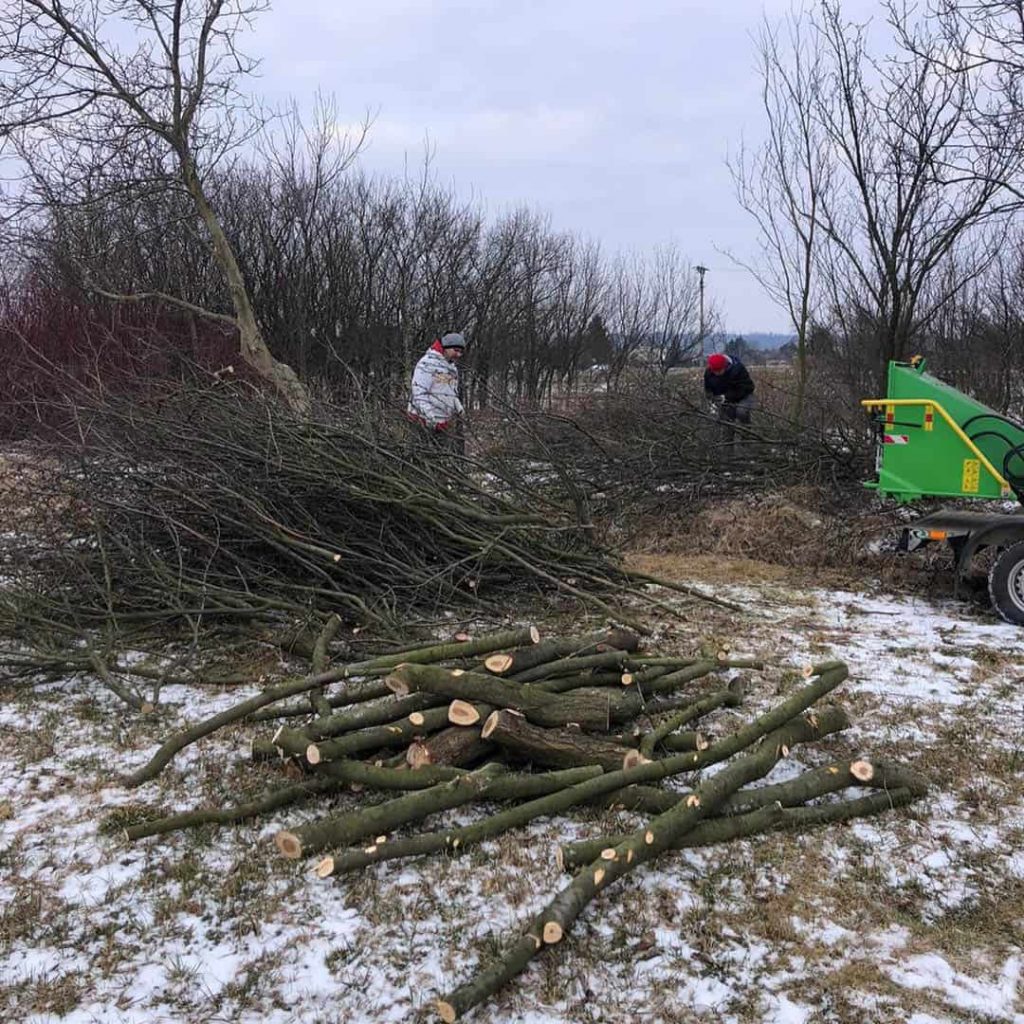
(936, 442)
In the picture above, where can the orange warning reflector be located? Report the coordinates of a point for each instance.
(937, 535)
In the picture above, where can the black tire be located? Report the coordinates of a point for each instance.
(1006, 583)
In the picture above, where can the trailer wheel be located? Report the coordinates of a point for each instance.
(1006, 583)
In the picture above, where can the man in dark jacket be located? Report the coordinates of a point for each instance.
(727, 384)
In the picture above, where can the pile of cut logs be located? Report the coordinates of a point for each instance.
(543, 727)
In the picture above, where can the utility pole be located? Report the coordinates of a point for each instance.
(701, 271)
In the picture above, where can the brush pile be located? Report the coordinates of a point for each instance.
(541, 727)
(213, 504)
(654, 447)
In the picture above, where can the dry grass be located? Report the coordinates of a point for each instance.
(679, 565)
(798, 537)
(793, 528)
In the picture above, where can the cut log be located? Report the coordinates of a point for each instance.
(356, 691)
(395, 734)
(458, 746)
(485, 784)
(365, 775)
(343, 829)
(291, 742)
(575, 682)
(671, 681)
(679, 742)
(640, 677)
(772, 817)
(669, 726)
(363, 716)
(461, 712)
(499, 664)
(590, 708)
(572, 666)
(810, 785)
(730, 697)
(554, 748)
(709, 832)
(264, 750)
(511, 662)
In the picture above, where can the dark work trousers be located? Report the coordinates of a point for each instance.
(732, 413)
(426, 443)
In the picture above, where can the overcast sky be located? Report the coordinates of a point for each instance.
(612, 116)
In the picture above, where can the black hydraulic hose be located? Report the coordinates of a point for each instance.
(1015, 480)
(991, 433)
(992, 416)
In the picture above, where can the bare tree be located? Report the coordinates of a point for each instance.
(782, 182)
(914, 178)
(631, 311)
(976, 341)
(980, 34)
(676, 329)
(95, 87)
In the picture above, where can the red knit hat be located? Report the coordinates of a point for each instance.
(717, 362)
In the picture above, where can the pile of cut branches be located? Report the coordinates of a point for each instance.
(211, 502)
(543, 727)
(654, 446)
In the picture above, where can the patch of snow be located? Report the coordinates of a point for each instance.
(995, 999)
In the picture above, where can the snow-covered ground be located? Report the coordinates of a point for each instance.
(916, 916)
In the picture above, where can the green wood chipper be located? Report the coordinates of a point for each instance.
(936, 442)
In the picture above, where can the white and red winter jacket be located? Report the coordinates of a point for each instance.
(435, 390)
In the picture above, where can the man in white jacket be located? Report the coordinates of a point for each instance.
(434, 403)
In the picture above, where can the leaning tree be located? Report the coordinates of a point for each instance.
(119, 99)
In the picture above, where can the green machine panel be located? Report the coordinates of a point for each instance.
(935, 441)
